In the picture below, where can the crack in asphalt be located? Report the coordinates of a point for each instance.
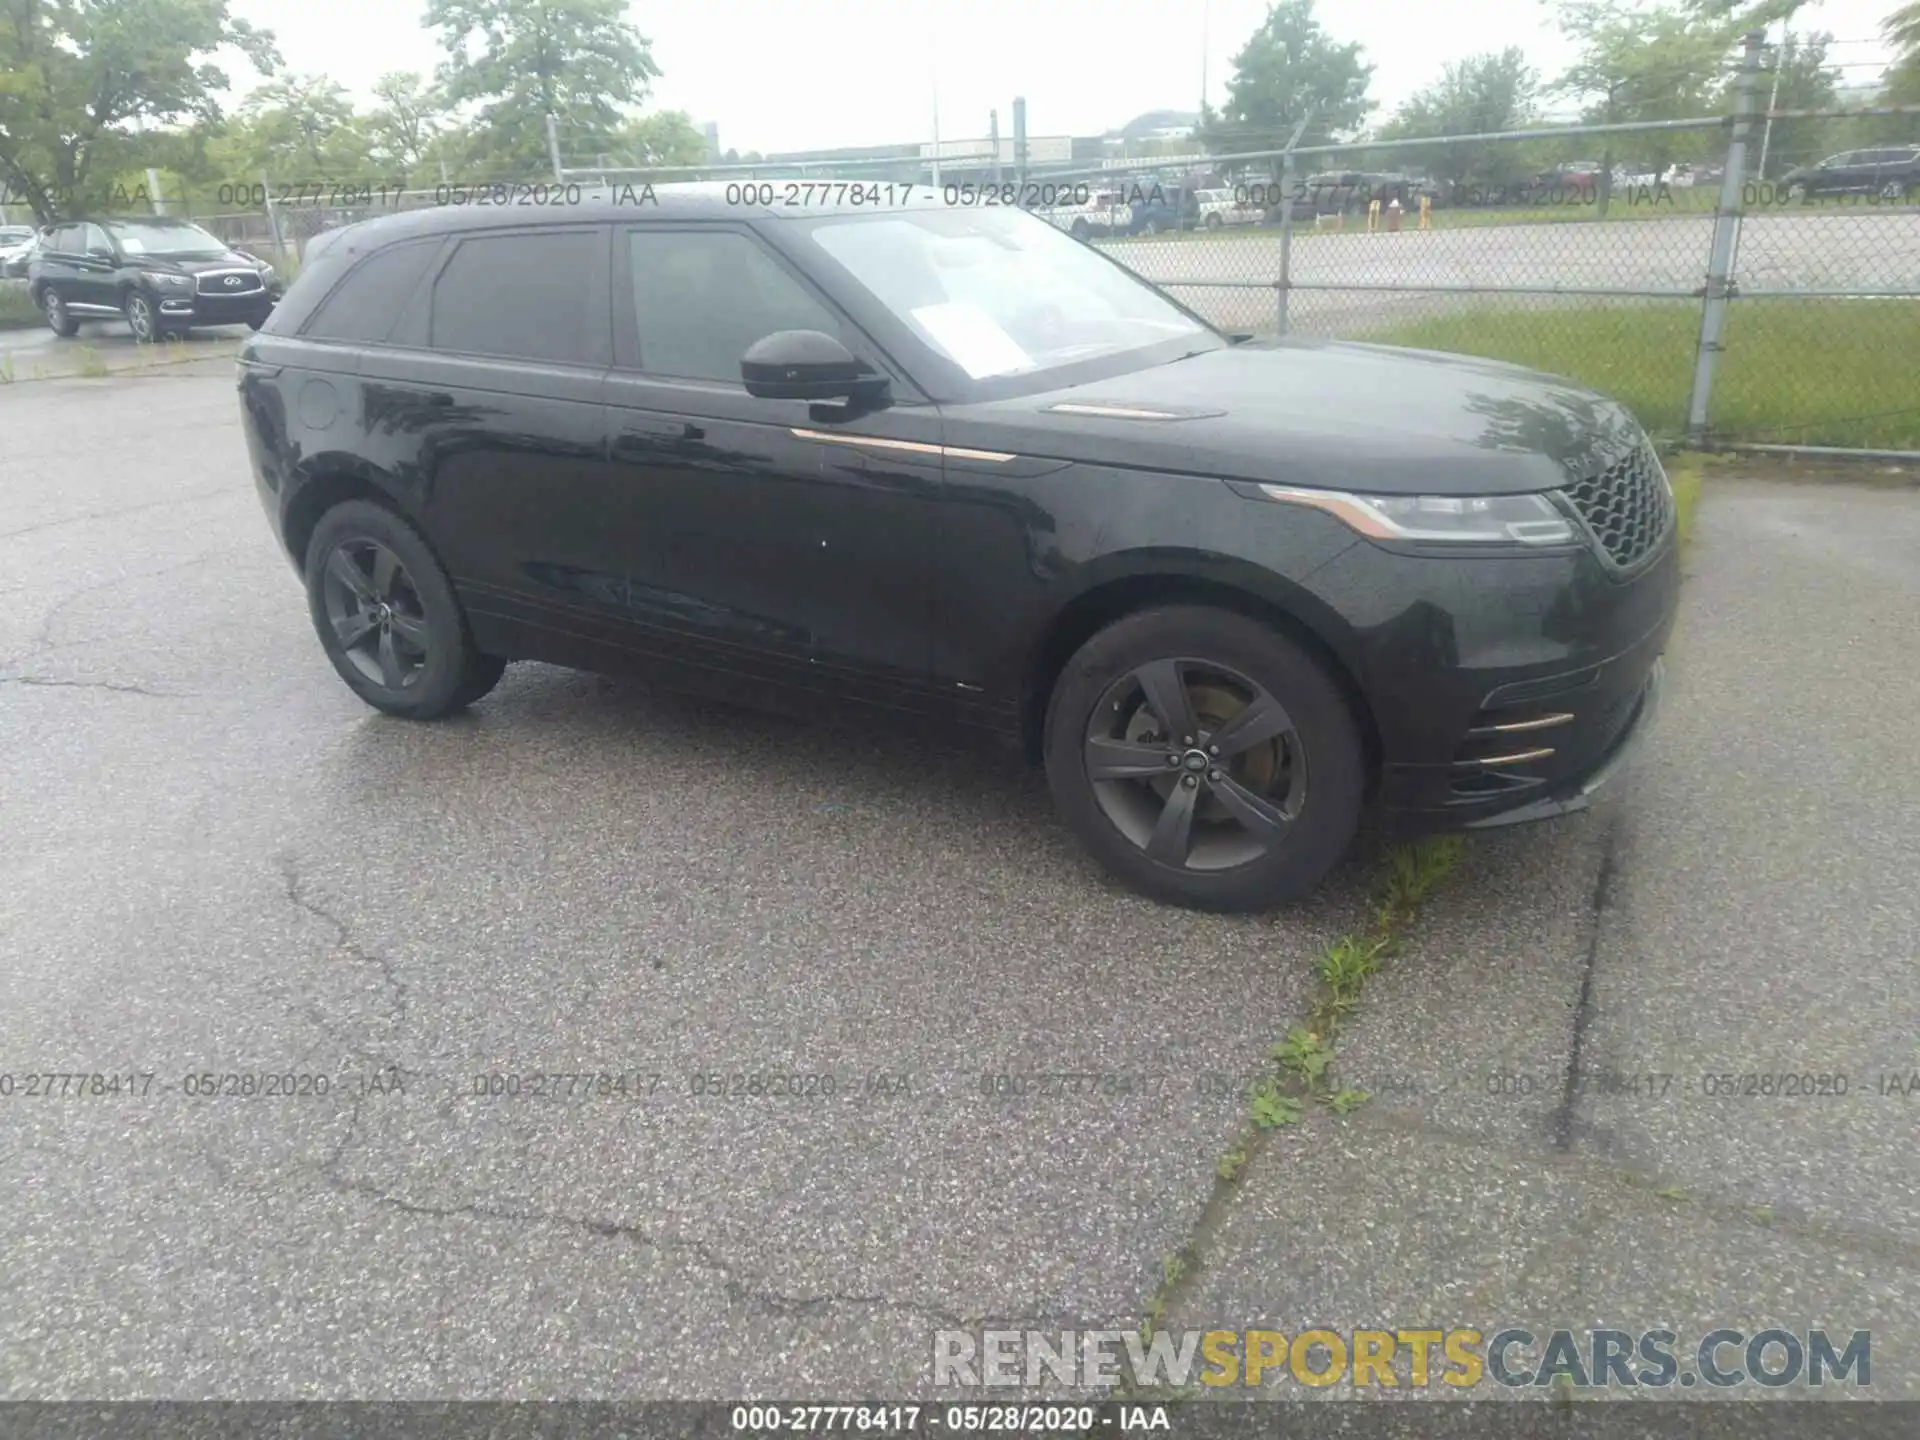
(296, 895)
(42, 642)
(50, 683)
(172, 503)
(738, 1290)
(1566, 1112)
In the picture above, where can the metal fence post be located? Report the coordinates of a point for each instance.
(1284, 286)
(1726, 239)
(273, 219)
(1286, 236)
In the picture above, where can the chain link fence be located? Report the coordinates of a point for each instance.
(1761, 290)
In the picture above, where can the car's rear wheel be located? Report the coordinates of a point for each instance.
(1080, 230)
(1205, 759)
(1892, 190)
(1214, 222)
(1796, 192)
(142, 318)
(387, 616)
(60, 320)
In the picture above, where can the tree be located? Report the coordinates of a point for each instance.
(1290, 65)
(80, 78)
(1666, 61)
(522, 60)
(1902, 32)
(401, 132)
(666, 137)
(297, 128)
(1806, 82)
(1475, 96)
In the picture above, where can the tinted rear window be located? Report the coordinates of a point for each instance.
(526, 297)
(370, 299)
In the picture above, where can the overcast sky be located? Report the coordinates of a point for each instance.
(800, 74)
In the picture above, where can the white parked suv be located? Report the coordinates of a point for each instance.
(1218, 208)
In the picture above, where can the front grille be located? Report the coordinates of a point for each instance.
(1626, 505)
(215, 283)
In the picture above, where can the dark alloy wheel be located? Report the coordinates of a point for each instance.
(388, 618)
(59, 319)
(1205, 759)
(142, 318)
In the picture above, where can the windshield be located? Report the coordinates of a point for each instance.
(1000, 292)
(14, 234)
(178, 241)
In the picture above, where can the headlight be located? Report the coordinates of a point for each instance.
(1440, 519)
(162, 277)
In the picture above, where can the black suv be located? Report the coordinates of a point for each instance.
(157, 274)
(948, 463)
(1891, 172)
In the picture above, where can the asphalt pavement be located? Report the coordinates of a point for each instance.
(1657, 1065)
(219, 864)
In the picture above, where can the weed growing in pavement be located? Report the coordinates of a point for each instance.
(6, 369)
(1302, 1061)
(92, 367)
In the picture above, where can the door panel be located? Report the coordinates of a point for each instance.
(759, 535)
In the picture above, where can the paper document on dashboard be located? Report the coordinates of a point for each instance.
(971, 339)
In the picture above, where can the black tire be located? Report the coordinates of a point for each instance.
(1080, 230)
(60, 320)
(143, 317)
(1214, 222)
(1310, 778)
(420, 636)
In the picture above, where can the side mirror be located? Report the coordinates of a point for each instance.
(807, 365)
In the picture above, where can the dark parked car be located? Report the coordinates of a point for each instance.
(1160, 207)
(157, 274)
(950, 464)
(1889, 171)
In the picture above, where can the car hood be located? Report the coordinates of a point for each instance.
(1308, 412)
(229, 261)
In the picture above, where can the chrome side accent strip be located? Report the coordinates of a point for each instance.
(916, 447)
(1519, 757)
(1514, 727)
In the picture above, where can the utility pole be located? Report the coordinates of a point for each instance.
(1726, 241)
(1606, 159)
(553, 148)
(1773, 99)
(1206, 7)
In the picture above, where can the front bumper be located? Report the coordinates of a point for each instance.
(1575, 796)
(178, 309)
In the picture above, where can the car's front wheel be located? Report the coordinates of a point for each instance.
(1796, 192)
(142, 318)
(60, 320)
(1205, 759)
(388, 618)
(1214, 222)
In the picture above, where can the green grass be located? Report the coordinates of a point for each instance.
(1684, 474)
(1811, 372)
(16, 308)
